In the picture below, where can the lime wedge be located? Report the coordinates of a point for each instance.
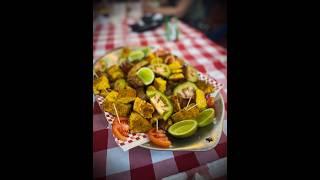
(135, 55)
(145, 50)
(146, 75)
(183, 128)
(205, 117)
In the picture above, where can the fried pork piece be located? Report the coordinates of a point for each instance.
(99, 74)
(126, 95)
(122, 109)
(165, 124)
(170, 86)
(205, 87)
(162, 124)
(99, 84)
(143, 108)
(187, 113)
(176, 104)
(125, 67)
(134, 81)
(138, 124)
(141, 93)
(115, 72)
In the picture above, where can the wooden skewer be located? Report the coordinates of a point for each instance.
(95, 74)
(192, 107)
(179, 103)
(114, 106)
(188, 102)
(157, 125)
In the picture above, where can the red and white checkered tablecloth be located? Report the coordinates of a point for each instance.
(109, 160)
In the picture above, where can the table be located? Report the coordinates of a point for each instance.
(109, 161)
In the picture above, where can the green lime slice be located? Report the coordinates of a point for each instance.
(183, 129)
(205, 117)
(146, 50)
(146, 75)
(135, 55)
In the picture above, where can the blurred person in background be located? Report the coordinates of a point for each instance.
(190, 11)
(216, 19)
(208, 16)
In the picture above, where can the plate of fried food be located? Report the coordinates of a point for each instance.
(156, 100)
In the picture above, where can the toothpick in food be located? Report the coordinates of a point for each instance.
(114, 106)
(192, 107)
(188, 102)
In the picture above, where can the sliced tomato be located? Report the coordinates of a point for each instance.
(159, 138)
(125, 119)
(121, 130)
(210, 102)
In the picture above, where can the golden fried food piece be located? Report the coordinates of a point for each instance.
(201, 99)
(138, 124)
(160, 84)
(119, 84)
(99, 84)
(122, 109)
(143, 108)
(104, 93)
(175, 65)
(127, 95)
(150, 57)
(112, 96)
(187, 113)
(156, 60)
(176, 76)
(177, 71)
(115, 72)
(205, 87)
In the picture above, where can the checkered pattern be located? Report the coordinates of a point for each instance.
(109, 160)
